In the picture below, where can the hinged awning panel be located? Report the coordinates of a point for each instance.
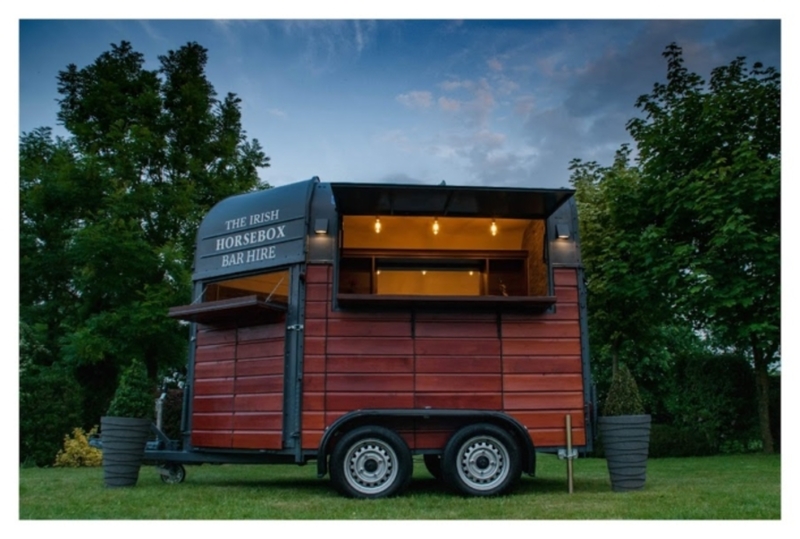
(444, 200)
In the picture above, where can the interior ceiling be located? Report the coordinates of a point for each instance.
(417, 233)
(419, 226)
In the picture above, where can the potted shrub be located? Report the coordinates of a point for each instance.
(625, 432)
(126, 427)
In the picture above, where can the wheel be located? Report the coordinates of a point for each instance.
(371, 462)
(433, 463)
(172, 473)
(481, 460)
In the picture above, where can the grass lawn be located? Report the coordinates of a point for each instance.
(723, 487)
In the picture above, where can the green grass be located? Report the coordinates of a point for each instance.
(723, 487)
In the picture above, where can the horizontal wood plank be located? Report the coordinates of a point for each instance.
(542, 364)
(214, 369)
(257, 440)
(469, 383)
(214, 439)
(457, 347)
(565, 277)
(543, 347)
(370, 346)
(452, 329)
(259, 384)
(266, 402)
(212, 404)
(369, 328)
(317, 292)
(310, 439)
(316, 273)
(355, 401)
(215, 352)
(381, 364)
(550, 420)
(313, 363)
(541, 329)
(313, 401)
(214, 386)
(449, 364)
(210, 422)
(566, 294)
(215, 336)
(258, 421)
(351, 382)
(543, 382)
(461, 401)
(556, 438)
(263, 366)
(542, 401)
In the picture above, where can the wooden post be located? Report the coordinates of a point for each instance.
(569, 452)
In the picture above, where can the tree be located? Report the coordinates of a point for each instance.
(628, 318)
(108, 214)
(709, 159)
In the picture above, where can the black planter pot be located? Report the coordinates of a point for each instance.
(626, 441)
(124, 439)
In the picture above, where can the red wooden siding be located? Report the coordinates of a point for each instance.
(385, 360)
(238, 387)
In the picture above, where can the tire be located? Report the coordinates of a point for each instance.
(172, 473)
(433, 463)
(371, 462)
(481, 460)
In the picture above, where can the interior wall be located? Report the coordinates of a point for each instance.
(533, 242)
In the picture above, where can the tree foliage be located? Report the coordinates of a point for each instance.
(689, 236)
(710, 157)
(108, 214)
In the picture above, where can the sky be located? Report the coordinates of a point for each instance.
(470, 102)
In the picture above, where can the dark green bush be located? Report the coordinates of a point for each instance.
(672, 441)
(134, 396)
(49, 408)
(623, 395)
(713, 395)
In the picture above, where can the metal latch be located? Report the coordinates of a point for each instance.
(564, 454)
(295, 327)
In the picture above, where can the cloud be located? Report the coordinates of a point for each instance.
(416, 100)
(451, 105)
(453, 85)
(494, 64)
(277, 112)
(328, 43)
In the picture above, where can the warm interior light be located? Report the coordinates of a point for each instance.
(378, 272)
(471, 272)
(377, 226)
(424, 272)
(436, 226)
(493, 228)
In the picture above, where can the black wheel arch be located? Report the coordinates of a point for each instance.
(358, 418)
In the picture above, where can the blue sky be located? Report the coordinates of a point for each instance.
(470, 102)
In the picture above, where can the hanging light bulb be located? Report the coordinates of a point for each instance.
(377, 226)
(436, 226)
(493, 228)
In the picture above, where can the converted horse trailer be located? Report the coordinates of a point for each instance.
(360, 325)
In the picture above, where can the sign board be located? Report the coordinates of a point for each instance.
(258, 230)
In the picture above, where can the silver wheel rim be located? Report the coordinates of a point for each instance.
(483, 462)
(370, 466)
